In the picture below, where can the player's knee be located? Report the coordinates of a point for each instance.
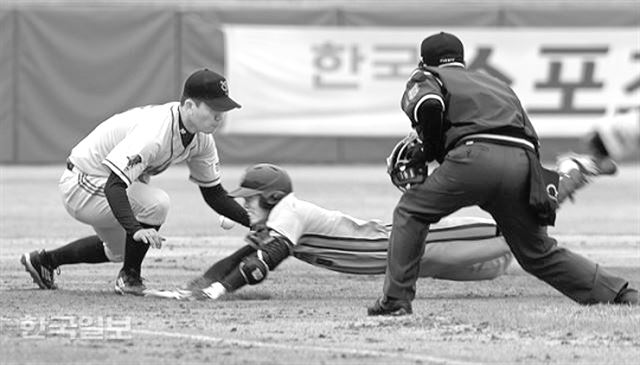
(162, 206)
(253, 269)
(155, 214)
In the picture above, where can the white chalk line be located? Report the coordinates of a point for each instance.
(615, 238)
(289, 347)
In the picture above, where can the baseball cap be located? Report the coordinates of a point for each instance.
(211, 88)
(441, 48)
(263, 178)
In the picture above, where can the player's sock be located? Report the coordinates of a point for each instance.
(223, 267)
(214, 291)
(134, 251)
(88, 250)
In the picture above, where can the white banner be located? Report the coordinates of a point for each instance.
(338, 81)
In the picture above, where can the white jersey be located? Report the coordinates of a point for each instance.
(458, 248)
(299, 220)
(142, 142)
(293, 218)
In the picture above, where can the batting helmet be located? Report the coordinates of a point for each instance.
(402, 167)
(269, 181)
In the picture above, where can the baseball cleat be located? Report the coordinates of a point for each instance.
(201, 288)
(628, 296)
(41, 273)
(129, 282)
(167, 294)
(587, 164)
(212, 292)
(385, 306)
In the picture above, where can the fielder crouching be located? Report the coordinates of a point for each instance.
(106, 180)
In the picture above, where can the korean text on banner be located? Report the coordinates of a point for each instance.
(348, 81)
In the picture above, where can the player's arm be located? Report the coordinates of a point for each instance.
(223, 267)
(217, 198)
(115, 191)
(218, 271)
(269, 250)
(204, 170)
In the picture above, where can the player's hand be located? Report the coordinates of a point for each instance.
(149, 236)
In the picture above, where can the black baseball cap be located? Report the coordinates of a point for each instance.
(263, 178)
(440, 49)
(211, 88)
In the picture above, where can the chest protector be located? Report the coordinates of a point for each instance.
(479, 103)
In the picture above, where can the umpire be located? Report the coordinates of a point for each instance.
(476, 128)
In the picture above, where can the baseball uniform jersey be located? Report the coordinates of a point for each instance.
(134, 145)
(458, 248)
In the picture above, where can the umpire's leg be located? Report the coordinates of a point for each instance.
(467, 174)
(573, 275)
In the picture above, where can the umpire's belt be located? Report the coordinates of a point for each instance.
(497, 139)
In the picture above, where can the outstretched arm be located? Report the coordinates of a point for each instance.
(217, 198)
(248, 265)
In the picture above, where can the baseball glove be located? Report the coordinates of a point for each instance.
(407, 163)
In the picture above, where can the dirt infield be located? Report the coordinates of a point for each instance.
(303, 314)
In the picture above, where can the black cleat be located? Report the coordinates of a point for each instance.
(385, 306)
(129, 282)
(627, 296)
(41, 273)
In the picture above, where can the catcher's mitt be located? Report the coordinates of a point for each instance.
(407, 165)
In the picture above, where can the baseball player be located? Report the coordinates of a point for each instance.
(106, 180)
(461, 249)
(617, 137)
(614, 138)
(476, 128)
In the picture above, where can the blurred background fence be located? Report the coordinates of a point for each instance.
(305, 72)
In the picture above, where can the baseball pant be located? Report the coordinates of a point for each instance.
(461, 249)
(496, 178)
(83, 197)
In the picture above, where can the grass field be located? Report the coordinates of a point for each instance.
(303, 314)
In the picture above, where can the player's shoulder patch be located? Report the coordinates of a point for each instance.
(132, 161)
(413, 92)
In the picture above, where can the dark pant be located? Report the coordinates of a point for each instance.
(496, 178)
